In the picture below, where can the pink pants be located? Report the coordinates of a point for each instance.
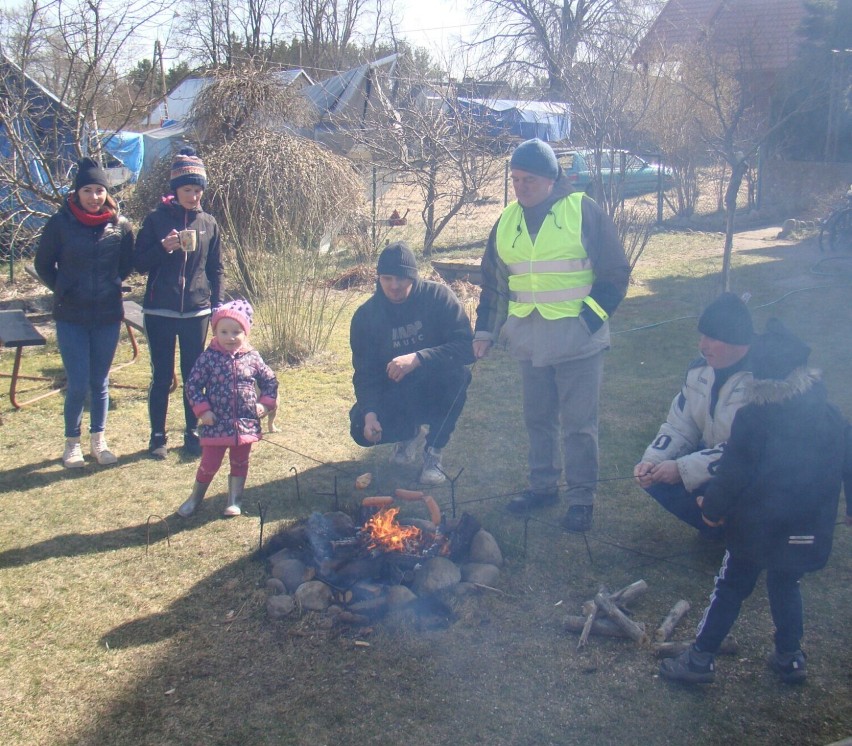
(211, 460)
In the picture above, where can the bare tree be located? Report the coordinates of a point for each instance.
(62, 83)
(436, 145)
(542, 39)
(740, 113)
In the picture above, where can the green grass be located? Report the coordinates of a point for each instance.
(107, 639)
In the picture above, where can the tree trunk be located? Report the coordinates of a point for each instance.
(738, 171)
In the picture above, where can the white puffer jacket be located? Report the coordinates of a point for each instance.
(691, 435)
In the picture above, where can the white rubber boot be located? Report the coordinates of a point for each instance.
(72, 458)
(187, 508)
(235, 493)
(100, 450)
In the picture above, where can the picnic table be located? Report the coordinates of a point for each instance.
(17, 331)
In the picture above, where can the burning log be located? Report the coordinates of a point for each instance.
(665, 630)
(729, 646)
(633, 630)
(601, 627)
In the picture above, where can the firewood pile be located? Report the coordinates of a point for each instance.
(608, 615)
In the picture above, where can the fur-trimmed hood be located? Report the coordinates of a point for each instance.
(774, 391)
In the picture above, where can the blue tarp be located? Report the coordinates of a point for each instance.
(547, 120)
(126, 147)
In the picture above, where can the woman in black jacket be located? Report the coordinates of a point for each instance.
(178, 247)
(85, 252)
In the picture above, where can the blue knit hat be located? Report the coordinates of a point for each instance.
(187, 169)
(536, 157)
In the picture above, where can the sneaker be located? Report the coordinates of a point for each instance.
(578, 518)
(191, 444)
(100, 450)
(789, 666)
(157, 446)
(406, 452)
(72, 457)
(431, 472)
(529, 500)
(691, 666)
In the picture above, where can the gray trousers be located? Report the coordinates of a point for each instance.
(561, 409)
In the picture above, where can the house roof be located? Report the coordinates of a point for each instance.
(767, 29)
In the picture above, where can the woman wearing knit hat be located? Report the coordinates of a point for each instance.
(178, 248)
(85, 251)
(221, 390)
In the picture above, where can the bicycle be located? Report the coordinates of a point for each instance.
(836, 230)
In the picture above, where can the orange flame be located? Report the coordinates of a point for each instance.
(386, 534)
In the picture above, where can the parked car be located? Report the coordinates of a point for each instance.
(621, 171)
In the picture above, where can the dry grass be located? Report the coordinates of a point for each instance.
(103, 642)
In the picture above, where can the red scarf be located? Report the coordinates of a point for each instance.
(91, 219)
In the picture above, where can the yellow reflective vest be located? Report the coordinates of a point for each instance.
(553, 275)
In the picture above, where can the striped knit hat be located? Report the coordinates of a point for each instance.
(187, 169)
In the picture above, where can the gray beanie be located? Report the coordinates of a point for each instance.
(728, 320)
(398, 260)
(536, 157)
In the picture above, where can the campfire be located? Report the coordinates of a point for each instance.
(359, 569)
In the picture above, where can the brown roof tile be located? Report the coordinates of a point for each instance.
(764, 29)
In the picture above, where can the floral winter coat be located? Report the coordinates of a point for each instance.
(224, 382)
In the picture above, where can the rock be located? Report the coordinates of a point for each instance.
(291, 572)
(371, 607)
(280, 556)
(480, 572)
(484, 549)
(436, 574)
(313, 595)
(421, 523)
(278, 607)
(465, 589)
(340, 523)
(275, 587)
(399, 596)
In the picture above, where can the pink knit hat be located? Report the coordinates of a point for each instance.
(239, 310)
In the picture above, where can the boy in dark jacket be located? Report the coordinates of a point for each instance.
(410, 344)
(776, 492)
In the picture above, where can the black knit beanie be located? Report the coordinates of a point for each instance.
(536, 157)
(777, 352)
(187, 170)
(89, 172)
(398, 260)
(728, 320)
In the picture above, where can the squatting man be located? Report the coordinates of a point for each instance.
(411, 343)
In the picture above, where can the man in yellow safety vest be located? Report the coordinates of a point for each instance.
(553, 272)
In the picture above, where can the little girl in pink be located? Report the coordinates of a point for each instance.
(223, 391)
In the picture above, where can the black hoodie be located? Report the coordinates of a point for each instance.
(431, 322)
